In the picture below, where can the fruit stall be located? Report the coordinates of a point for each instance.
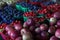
(29, 19)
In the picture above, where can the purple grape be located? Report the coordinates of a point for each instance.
(54, 38)
(57, 33)
(43, 27)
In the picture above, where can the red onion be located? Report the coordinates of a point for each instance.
(27, 36)
(18, 26)
(52, 29)
(32, 28)
(30, 22)
(52, 21)
(37, 30)
(14, 34)
(23, 31)
(8, 28)
(44, 35)
(9, 32)
(54, 38)
(58, 23)
(43, 27)
(18, 38)
(57, 15)
(57, 33)
(25, 25)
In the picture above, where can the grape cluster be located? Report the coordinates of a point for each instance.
(9, 14)
(5, 16)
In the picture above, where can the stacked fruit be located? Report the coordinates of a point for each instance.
(30, 30)
(37, 29)
(12, 31)
(41, 22)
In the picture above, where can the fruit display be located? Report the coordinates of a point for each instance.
(30, 20)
